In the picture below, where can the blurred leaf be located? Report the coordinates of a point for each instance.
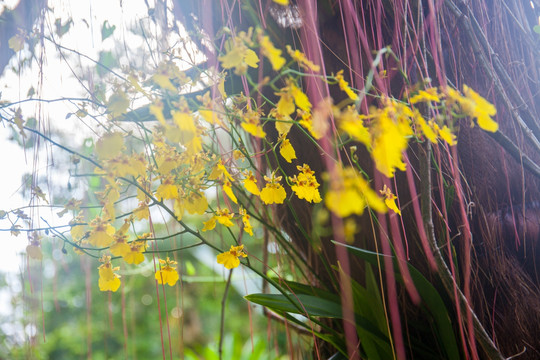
(537, 29)
(19, 121)
(34, 252)
(118, 103)
(106, 59)
(107, 30)
(62, 29)
(16, 43)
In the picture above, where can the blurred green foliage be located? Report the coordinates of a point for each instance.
(80, 322)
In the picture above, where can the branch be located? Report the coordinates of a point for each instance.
(504, 86)
(516, 152)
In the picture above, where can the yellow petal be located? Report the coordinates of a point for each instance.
(273, 194)
(167, 275)
(388, 147)
(447, 135)
(391, 203)
(162, 80)
(228, 190)
(250, 183)
(109, 145)
(118, 103)
(428, 130)
(254, 129)
(120, 249)
(274, 55)
(100, 239)
(16, 43)
(344, 202)
(109, 285)
(196, 203)
(209, 225)
(166, 191)
(283, 127)
(142, 212)
(134, 257)
(285, 105)
(487, 123)
(251, 58)
(300, 99)
(287, 151)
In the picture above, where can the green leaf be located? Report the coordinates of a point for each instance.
(315, 307)
(537, 29)
(299, 288)
(429, 295)
(298, 304)
(107, 30)
(370, 318)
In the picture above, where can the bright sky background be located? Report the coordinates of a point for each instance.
(58, 81)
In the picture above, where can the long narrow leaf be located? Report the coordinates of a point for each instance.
(429, 295)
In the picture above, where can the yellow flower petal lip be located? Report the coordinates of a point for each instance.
(273, 194)
(224, 217)
(120, 249)
(134, 258)
(109, 285)
(230, 259)
(108, 280)
(167, 275)
(251, 58)
(425, 96)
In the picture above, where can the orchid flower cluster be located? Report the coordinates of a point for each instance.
(202, 156)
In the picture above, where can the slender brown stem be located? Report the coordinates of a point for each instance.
(223, 304)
